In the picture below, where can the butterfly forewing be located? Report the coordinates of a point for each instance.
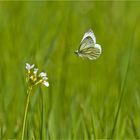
(89, 33)
(86, 43)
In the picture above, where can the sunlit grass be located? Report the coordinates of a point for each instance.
(86, 99)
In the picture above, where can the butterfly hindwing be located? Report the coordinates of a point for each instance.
(91, 53)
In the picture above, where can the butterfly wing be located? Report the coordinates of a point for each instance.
(86, 43)
(92, 52)
(88, 47)
(90, 34)
(88, 39)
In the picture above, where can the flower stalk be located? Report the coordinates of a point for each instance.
(32, 79)
(26, 110)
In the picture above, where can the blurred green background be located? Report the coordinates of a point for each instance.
(86, 99)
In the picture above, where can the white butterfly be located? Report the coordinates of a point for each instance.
(88, 47)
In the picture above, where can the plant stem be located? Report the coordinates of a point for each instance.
(26, 110)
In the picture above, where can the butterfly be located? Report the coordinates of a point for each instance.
(88, 47)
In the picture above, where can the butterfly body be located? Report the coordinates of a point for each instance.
(88, 47)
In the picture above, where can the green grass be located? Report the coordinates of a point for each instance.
(86, 99)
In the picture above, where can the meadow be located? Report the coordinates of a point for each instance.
(86, 99)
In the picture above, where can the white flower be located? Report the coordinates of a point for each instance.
(42, 74)
(45, 83)
(44, 78)
(29, 67)
(35, 78)
(35, 70)
(32, 77)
